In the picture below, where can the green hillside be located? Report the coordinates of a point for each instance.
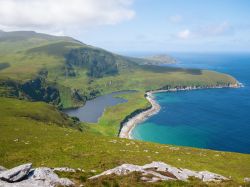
(79, 72)
(36, 132)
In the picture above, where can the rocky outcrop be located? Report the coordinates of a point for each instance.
(159, 171)
(49, 177)
(24, 176)
(16, 174)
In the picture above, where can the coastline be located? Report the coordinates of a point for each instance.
(128, 126)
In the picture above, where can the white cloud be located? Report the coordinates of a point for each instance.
(175, 18)
(185, 34)
(59, 15)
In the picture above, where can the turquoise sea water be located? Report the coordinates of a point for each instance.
(216, 119)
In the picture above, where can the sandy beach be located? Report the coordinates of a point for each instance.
(131, 123)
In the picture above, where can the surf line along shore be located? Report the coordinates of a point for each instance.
(129, 125)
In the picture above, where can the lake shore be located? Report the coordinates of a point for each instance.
(128, 126)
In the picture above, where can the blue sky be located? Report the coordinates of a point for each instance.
(137, 25)
(190, 25)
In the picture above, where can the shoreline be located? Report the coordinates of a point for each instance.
(128, 126)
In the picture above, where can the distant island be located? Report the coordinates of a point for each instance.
(161, 59)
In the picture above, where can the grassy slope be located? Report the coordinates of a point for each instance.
(44, 143)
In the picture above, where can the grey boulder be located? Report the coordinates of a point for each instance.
(246, 179)
(161, 171)
(39, 177)
(16, 174)
(49, 177)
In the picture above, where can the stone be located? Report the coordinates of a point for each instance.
(39, 177)
(65, 169)
(15, 174)
(49, 177)
(246, 179)
(207, 176)
(162, 171)
(120, 170)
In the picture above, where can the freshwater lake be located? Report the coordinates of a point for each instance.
(94, 109)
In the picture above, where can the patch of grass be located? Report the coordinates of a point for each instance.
(134, 179)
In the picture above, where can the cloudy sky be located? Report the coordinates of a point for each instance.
(137, 25)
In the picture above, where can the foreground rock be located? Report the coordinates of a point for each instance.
(15, 174)
(247, 180)
(39, 177)
(159, 171)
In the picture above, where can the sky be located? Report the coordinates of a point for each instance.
(137, 25)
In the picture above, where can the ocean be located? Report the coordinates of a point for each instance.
(217, 119)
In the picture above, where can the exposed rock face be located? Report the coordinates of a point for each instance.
(161, 171)
(15, 174)
(39, 177)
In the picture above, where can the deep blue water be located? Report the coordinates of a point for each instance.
(94, 109)
(216, 119)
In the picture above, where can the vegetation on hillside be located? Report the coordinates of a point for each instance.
(97, 63)
(79, 72)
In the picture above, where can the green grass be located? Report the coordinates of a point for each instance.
(37, 133)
